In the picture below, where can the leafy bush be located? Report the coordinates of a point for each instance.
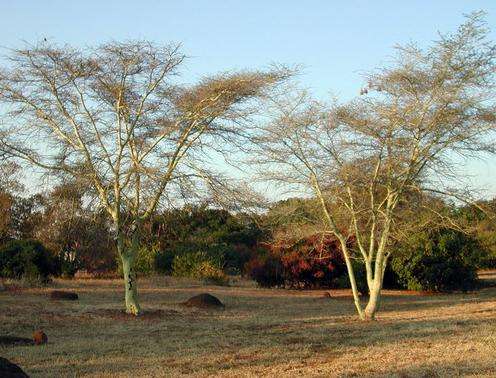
(27, 259)
(211, 273)
(215, 232)
(145, 261)
(69, 264)
(438, 260)
(199, 265)
(484, 228)
(267, 271)
(312, 262)
(164, 260)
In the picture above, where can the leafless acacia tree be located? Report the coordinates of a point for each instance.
(371, 156)
(115, 118)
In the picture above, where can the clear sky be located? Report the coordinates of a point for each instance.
(334, 40)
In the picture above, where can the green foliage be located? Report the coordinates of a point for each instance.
(438, 260)
(69, 264)
(201, 266)
(211, 273)
(29, 260)
(484, 228)
(217, 233)
(145, 261)
(164, 260)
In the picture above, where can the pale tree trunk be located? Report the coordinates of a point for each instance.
(374, 299)
(128, 257)
(375, 288)
(351, 276)
(131, 285)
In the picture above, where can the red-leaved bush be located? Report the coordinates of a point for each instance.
(313, 262)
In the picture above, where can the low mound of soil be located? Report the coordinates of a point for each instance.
(10, 370)
(63, 295)
(204, 300)
(117, 314)
(15, 341)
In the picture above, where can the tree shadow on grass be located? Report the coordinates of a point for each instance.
(6, 341)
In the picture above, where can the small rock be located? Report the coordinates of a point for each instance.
(40, 337)
(204, 300)
(64, 295)
(10, 370)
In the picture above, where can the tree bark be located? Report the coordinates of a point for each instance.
(351, 276)
(130, 284)
(375, 290)
(374, 299)
(128, 257)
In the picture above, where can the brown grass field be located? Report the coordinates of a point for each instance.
(261, 332)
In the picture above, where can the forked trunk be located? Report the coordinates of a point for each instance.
(374, 300)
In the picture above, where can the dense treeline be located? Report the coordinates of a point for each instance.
(60, 233)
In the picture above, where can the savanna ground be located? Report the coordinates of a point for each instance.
(261, 332)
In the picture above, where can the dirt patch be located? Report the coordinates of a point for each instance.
(10, 370)
(204, 300)
(63, 295)
(117, 314)
(15, 341)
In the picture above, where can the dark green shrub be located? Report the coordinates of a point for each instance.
(27, 259)
(216, 232)
(438, 260)
(69, 264)
(164, 260)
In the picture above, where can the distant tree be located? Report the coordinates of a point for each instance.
(74, 231)
(480, 220)
(116, 119)
(370, 157)
(9, 187)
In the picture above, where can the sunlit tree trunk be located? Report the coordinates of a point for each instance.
(128, 258)
(374, 299)
(351, 276)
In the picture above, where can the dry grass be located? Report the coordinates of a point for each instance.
(260, 333)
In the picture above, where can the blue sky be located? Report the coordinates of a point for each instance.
(335, 41)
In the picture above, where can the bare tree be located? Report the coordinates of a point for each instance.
(115, 119)
(368, 158)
